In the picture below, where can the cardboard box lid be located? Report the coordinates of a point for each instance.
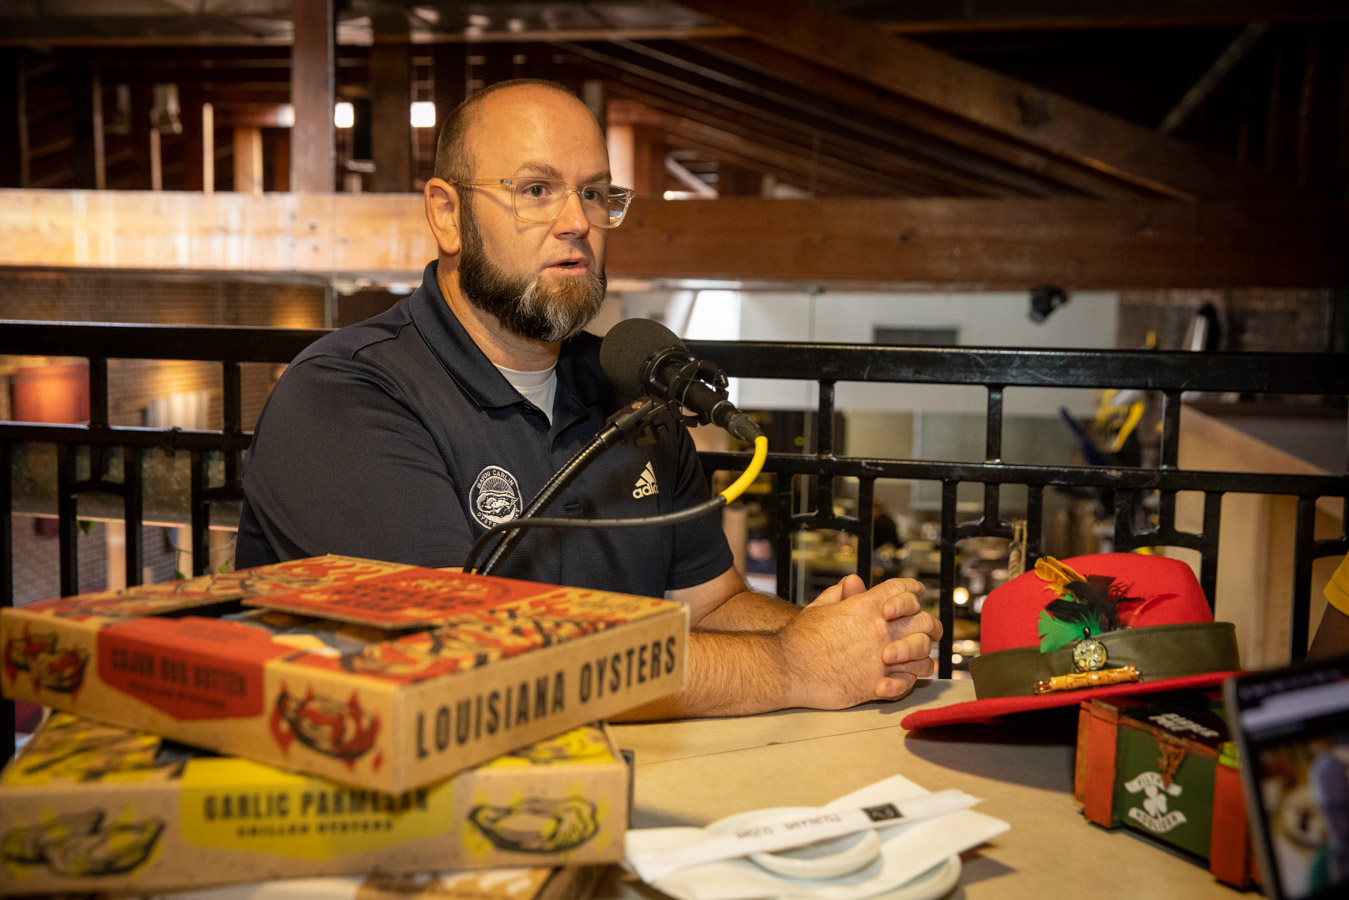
(342, 589)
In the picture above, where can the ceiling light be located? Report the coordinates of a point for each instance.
(423, 114)
(344, 115)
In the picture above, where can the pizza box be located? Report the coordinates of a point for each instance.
(378, 675)
(89, 807)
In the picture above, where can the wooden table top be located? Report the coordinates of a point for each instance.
(696, 771)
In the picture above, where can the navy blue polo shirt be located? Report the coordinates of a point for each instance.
(397, 439)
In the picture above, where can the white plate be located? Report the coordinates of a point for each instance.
(937, 881)
(828, 858)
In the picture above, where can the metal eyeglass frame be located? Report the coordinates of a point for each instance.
(626, 194)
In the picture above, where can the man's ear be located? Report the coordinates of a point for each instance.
(442, 214)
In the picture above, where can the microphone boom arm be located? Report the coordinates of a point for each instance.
(638, 422)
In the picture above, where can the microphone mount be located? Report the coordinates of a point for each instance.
(692, 376)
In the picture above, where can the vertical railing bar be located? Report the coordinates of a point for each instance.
(1035, 510)
(993, 425)
(824, 448)
(8, 735)
(98, 392)
(1170, 429)
(866, 528)
(1304, 539)
(98, 413)
(133, 507)
(785, 533)
(1124, 514)
(992, 494)
(6, 529)
(233, 415)
(946, 601)
(1208, 566)
(824, 426)
(66, 524)
(201, 515)
(1166, 512)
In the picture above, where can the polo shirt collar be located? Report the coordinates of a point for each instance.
(458, 354)
(578, 387)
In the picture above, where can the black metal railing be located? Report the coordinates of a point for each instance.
(101, 449)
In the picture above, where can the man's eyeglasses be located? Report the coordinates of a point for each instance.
(540, 200)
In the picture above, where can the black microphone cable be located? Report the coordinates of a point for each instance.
(519, 525)
(622, 425)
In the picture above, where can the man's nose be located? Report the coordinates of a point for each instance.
(571, 220)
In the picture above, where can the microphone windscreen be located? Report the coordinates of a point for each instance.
(626, 348)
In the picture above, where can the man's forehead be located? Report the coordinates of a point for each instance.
(528, 119)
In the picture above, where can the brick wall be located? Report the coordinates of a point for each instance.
(1279, 320)
(37, 559)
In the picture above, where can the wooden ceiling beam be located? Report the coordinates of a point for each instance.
(824, 171)
(819, 146)
(1003, 104)
(939, 16)
(736, 149)
(669, 102)
(1077, 244)
(911, 17)
(681, 99)
(313, 158)
(1038, 173)
(872, 140)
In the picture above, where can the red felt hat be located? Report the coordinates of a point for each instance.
(1102, 625)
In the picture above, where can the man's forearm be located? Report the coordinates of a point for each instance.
(750, 611)
(729, 674)
(753, 653)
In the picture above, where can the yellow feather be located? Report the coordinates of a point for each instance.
(1056, 573)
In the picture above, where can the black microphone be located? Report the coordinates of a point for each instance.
(643, 357)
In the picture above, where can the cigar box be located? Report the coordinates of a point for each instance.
(1163, 766)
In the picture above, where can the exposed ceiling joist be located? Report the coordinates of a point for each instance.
(889, 145)
(1033, 171)
(1003, 104)
(1226, 61)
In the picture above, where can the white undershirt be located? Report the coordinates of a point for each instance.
(538, 387)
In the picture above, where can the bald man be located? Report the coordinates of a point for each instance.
(404, 437)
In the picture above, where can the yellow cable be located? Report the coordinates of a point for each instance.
(1135, 414)
(751, 471)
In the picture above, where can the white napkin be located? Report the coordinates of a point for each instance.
(907, 851)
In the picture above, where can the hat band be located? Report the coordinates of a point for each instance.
(1158, 652)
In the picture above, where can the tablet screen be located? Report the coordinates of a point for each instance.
(1292, 726)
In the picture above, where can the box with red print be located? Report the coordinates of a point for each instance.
(375, 674)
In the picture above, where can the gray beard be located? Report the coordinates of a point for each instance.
(522, 305)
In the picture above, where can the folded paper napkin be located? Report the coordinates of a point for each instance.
(907, 851)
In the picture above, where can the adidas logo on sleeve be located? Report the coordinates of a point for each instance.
(646, 484)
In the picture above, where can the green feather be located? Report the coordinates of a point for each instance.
(1055, 634)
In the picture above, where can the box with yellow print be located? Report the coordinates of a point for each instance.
(88, 807)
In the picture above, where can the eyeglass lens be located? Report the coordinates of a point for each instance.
(541, 200)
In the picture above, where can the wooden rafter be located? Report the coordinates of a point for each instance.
(1032, 170)
(1005, 105)
(866, 155)
(712, 139)
(885, 145)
